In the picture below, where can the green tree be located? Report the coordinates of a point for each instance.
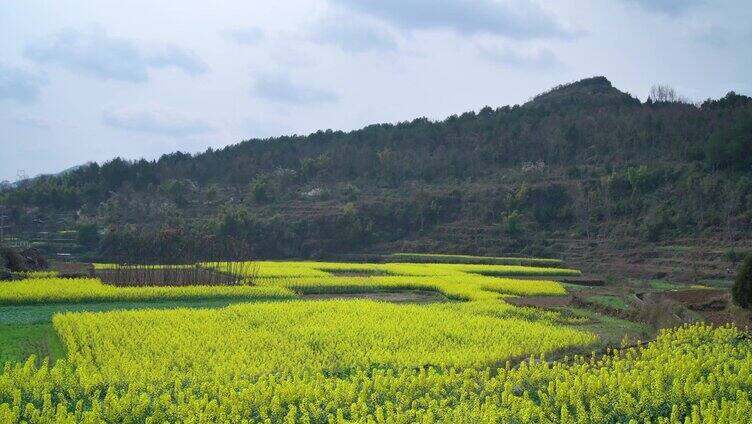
(260, 188)
(352, 230)
(731, 147)
(512, 222)
(742, 290)
(88, 235)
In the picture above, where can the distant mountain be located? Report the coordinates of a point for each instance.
(581, 162)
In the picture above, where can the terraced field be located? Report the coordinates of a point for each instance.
(267, 352)
(456, 281)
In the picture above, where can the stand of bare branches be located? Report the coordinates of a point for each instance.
(220, 264)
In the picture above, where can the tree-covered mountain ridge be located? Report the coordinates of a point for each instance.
(581, 165)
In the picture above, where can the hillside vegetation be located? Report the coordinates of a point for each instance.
(579, 165)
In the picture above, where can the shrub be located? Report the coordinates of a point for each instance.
(742, 290)
(731, 255)
(657, 224)
(13, 260)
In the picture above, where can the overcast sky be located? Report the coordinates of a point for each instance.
(91, 80)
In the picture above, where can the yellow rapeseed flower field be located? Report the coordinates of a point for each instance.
(297, 338)
(693, 374)
(456, 281)
(358, 361)
(59, 290)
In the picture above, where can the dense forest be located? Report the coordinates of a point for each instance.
(583, 161)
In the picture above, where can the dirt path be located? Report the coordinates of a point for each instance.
(411, 296)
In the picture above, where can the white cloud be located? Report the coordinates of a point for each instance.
(19, 85)
(96, 53)
(174, 57)
(668, 7)
(541, 59)
(518, 19)
(30, 121)
(155, 123)
(280, 88)
(249, 35)
(353, 34)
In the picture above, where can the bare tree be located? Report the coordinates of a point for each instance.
(664, 93)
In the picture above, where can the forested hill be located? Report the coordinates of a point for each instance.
(583, 161)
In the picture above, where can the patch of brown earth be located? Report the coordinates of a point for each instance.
(695, 296)
(583, 281)
(73, 269)
(413, 296)
(693, 299)
(741, 320)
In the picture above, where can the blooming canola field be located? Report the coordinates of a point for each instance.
(297, 338)
(456, 281)
(273, 356)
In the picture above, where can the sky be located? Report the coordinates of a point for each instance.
(92, 80)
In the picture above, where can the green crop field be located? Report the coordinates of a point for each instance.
(79, 350)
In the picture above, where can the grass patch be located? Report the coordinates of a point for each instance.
(611, 330)
(40, 314)
(575, 287)
(717, 282)
(662, 285)
(18, 342)
(613, 302)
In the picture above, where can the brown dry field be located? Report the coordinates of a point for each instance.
(164, 277)
(413, 296)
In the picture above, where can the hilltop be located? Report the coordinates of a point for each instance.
(583, 171)
(587, 93)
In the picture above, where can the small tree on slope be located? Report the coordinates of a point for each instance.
(742, 291)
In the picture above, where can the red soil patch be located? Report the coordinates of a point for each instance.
(718, 318)
(695, 299)
(695, 296)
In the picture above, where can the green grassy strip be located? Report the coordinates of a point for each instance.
(18, 342)
(40, 314)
